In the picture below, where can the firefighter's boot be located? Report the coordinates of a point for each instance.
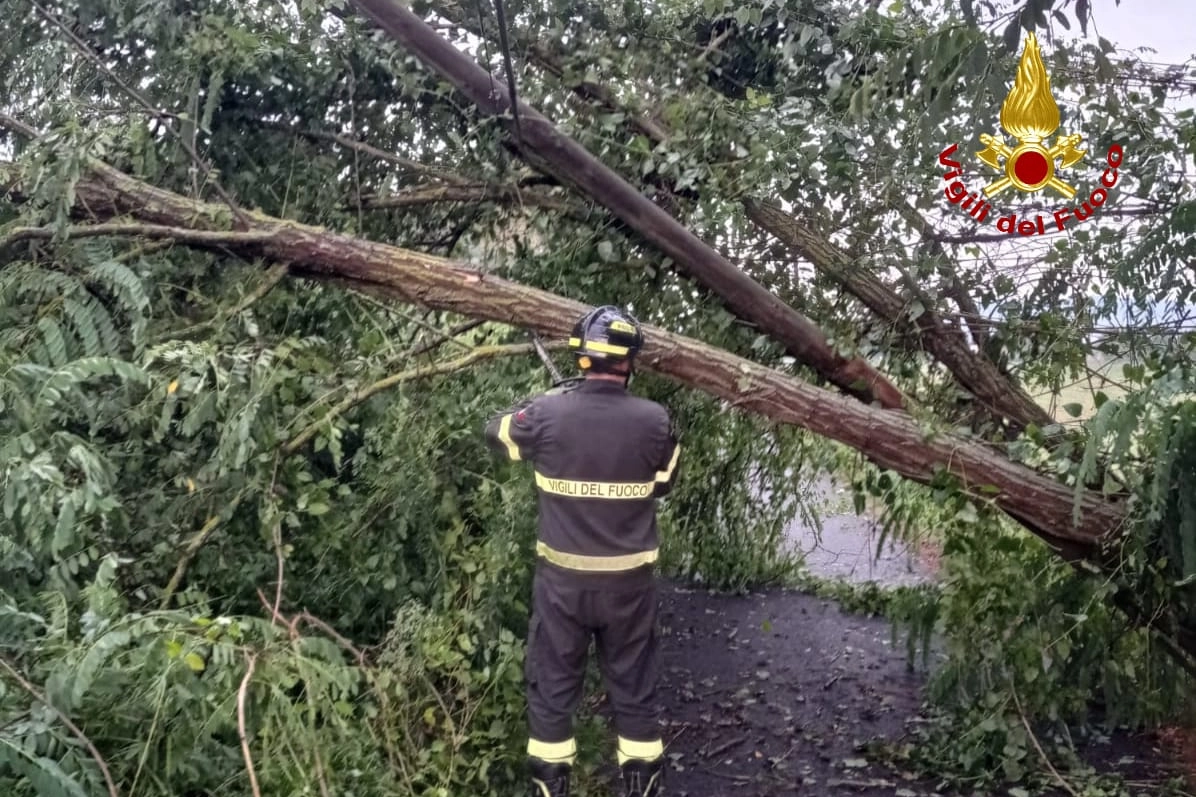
(643, 778)
(549, 779)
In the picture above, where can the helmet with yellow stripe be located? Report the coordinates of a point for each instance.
(604, 337)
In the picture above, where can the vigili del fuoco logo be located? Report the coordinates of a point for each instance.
(1030, 115)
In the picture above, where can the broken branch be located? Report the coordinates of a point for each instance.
(362, 394)
(554, 153)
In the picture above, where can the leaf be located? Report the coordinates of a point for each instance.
(44, 775)
(64, 530)
(1082, 15)
(215, 85)
(967, 514)
(84, 324)
(54, 340)
(124, 283)
(83, 369)
(109, 337)
(202, 412)
(1104, 68)
(194, 661)
(856, 106)
(1073, 409)
(96, 657)
(317, 509)
(1059, 15)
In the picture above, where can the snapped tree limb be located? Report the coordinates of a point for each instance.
(473, 193)
(946, 343)
(552, 152)
(972, 370)
(367, 391)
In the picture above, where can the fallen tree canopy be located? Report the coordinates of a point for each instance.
(891, 440)
(550, 151)
(265, 270)
(1081, 528)
(1077, 523)
(542, 145)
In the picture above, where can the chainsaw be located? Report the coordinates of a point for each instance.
(560, 384)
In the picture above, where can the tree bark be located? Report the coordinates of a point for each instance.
(473, 193)
(542, 145)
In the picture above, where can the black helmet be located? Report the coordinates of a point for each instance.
(605, 336)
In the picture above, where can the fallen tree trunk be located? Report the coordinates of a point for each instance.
(554, 153)
(891, 440)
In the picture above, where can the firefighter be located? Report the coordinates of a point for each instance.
(600, 458)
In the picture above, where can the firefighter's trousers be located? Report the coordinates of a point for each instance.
(620, 616)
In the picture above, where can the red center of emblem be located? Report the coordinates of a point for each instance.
(1031, 167)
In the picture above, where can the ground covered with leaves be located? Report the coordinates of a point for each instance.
(780, 692)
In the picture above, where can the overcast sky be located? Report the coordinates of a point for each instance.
(1163, 25)
(1153, 30)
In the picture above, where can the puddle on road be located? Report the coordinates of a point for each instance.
(845, 547)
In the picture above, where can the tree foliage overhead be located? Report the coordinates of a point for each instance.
(214, 464)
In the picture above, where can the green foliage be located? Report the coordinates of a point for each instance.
(148, 500)
(147, 391)
(724, 525)
(430, 712)
(1061, 656)
(43, 774)
(1170, 536)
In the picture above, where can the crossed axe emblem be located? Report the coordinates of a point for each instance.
(997, 150)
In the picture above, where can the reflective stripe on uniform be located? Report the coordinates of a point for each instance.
(663, 476)
(504, 436)
(553, 752)
(572, 488)
(605, 348)
(596, 564)
(645, 751)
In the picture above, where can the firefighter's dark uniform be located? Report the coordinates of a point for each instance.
(601, 457)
